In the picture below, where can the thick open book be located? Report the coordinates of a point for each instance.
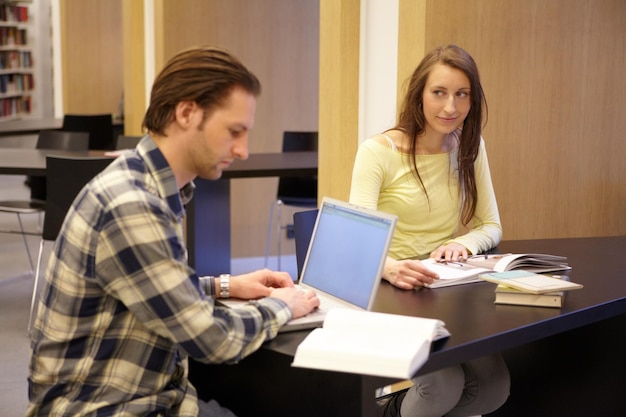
(365, 342)
(456, 273)
(529, 281)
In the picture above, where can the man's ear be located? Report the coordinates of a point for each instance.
(185, 113)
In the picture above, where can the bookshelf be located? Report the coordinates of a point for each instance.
(16, 61)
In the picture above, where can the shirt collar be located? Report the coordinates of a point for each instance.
(159, 168)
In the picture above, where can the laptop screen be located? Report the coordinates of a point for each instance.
(347, 252)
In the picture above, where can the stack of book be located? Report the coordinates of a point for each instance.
(508, 295)
(527, 288)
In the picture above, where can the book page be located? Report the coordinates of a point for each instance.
(530, 282)
(368, 343)
(453, 270)
(353, 322)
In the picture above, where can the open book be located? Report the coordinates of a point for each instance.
(365, 342)
(455, 273)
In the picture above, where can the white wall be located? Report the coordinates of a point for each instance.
(378, 66)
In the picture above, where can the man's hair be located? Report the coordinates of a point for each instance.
(205, 75)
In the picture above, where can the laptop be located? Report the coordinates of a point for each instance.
(345, 259)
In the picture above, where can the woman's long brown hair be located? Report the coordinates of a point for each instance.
(412, 121)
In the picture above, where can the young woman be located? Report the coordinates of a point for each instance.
(431, 170)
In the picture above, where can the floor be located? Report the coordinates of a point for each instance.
(16, 285)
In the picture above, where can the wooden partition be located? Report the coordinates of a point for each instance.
(553, 74)
(279, 41)
(91, 38)
(552, 71)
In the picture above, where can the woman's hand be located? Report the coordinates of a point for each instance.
(452, 252)
(408, 274)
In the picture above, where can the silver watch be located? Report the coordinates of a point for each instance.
(224, 285)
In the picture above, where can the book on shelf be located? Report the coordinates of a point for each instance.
(370, 343)
(529, 281)
(456, 273)
(511, 296)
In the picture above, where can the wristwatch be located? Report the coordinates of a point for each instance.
(224, 285)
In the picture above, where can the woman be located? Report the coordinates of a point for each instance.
(431, 170)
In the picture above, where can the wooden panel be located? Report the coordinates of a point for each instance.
(553, 75)
(91, 39)
(411, 41)
(339, 95)
(134, 67)
(279, 41)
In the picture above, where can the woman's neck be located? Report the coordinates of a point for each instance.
(432, 143)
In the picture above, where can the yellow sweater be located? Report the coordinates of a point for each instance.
(382, 179)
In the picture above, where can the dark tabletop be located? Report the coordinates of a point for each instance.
(479, 327)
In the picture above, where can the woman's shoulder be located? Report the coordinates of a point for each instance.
(390, 140)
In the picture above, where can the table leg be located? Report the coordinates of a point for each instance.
(208, 227)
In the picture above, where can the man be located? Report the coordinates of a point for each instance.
(121, 310)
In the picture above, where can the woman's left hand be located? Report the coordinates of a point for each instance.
(452, 252)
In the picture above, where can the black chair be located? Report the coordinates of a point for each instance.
(98, 126)
(303, 225)
(47, 139)
(297, 191)
(66, 176)
(126, 142)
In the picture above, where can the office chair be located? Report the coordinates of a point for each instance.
(98, 126)
(303, 225)
(298, 191)
(48, 139)
(66, 176)
(126, 142)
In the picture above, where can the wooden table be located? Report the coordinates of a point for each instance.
(29, 126)
(208, 222)
(564, 362)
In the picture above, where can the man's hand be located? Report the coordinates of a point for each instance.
(258, 284)
(300, 301)
(266, 283)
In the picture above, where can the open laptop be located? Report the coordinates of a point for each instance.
(345, 259)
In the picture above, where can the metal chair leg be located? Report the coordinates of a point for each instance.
(276, 205)
(279, 228)
(269, 234)
(33, 300)
(30, 259)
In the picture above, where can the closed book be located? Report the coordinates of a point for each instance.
(511, 296)
(530, 282)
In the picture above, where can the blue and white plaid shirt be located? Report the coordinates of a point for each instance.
(121, 310)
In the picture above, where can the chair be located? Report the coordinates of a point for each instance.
(48, 139)
(297, 191)
(303, 225)
(126, 142)
(98, 126)
(66, 176)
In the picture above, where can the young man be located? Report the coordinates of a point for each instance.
(121, 310)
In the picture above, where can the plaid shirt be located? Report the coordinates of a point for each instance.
(121, 310)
